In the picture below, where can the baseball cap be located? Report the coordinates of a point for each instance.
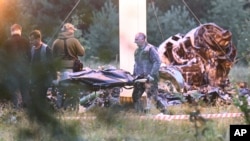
(68, 26)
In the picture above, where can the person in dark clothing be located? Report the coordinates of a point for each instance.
(66, 47)
(147, 64)
(17, 54)
(42, 70)
(41, 76)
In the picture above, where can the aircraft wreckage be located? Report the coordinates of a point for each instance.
(199, 61)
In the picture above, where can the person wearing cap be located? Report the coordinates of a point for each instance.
(66, 48)
(17, 55)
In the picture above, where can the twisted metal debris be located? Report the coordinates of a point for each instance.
(199, 60)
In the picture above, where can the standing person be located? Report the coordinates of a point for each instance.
(41, 76)
(42, 72)
(17, 55)
(67, 48)
(147, 64)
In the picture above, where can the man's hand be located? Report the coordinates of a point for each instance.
(150, 78)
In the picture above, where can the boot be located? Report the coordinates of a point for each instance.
(161, 104)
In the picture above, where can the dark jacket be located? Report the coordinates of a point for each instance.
(17, 54)
(42, 67)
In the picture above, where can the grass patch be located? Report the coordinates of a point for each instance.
(115, 124)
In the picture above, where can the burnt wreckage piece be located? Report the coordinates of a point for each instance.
(203, 57)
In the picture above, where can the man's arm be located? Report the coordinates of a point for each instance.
(154, 56)
(80, 48)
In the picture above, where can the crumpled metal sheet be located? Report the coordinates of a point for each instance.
(199, 60)
(204, 55)
(173, 75)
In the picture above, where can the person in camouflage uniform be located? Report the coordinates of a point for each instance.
(147, 64)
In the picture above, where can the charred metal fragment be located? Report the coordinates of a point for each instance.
(203, 57)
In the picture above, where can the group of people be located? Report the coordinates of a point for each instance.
(31, 65)
(31, 69)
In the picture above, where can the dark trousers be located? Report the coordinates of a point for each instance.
(151, 90)
(18, 88)
(39, 87)
(39, 91)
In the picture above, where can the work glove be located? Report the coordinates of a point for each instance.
(140, 79)
(150, 78)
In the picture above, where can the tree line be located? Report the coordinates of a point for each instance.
(98, 21)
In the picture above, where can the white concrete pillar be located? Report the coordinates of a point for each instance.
(132, 19)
